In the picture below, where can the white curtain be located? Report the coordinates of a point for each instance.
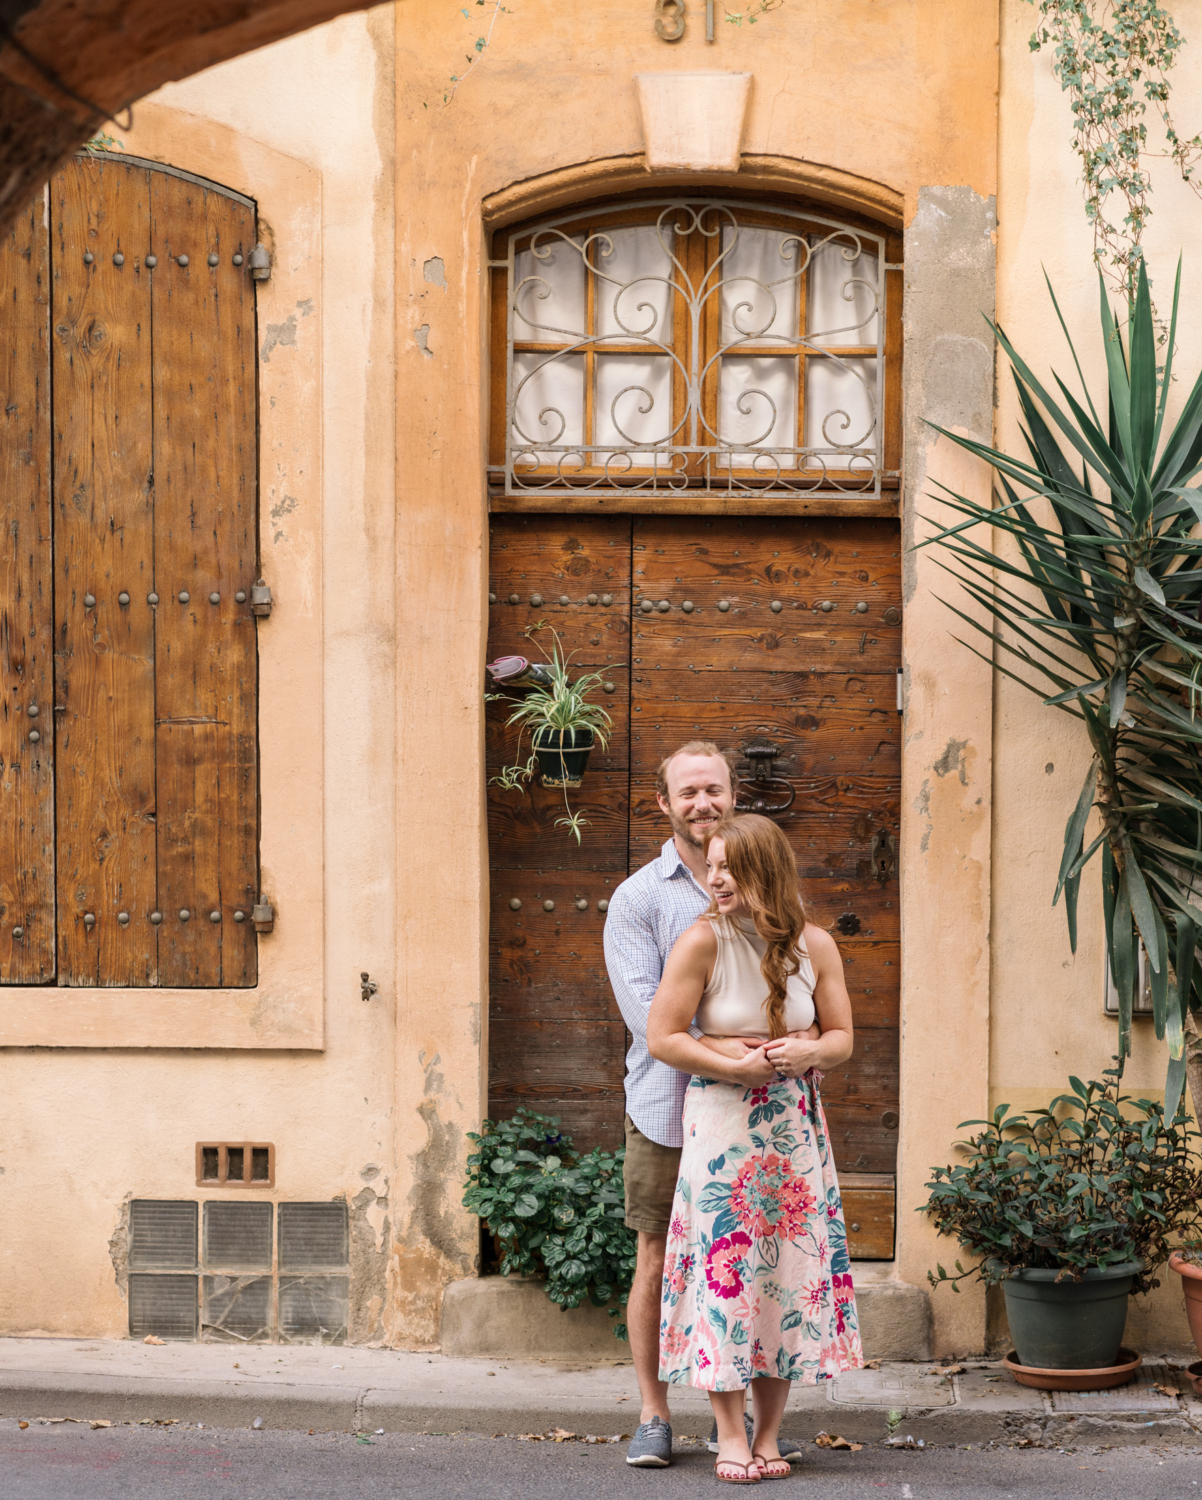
(629, 300)
(842, 296)
(757, 403)
(752, 307)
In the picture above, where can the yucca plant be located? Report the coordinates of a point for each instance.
(1104, 529)
(560, 704)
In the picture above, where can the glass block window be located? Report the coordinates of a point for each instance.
(265, 1273)
(680, 344)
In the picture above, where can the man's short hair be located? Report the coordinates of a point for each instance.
(694, 747)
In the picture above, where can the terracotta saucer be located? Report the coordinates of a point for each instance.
(1193, 1373)
(1102, 1379)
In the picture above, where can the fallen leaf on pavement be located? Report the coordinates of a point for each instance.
(99, 1422)
(833, 1440)
(560, 1435)
(949, 1370)
(872, 1364)
(621, 1398)
(1165, 1390)
(153, 1339)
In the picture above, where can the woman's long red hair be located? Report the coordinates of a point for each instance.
(762, 865)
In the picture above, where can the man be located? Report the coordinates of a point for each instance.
(647, 914)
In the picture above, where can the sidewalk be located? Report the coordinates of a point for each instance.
(355, 1389)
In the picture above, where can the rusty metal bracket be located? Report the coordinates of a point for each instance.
(763, 792)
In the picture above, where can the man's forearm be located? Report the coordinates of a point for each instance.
(690, 1054)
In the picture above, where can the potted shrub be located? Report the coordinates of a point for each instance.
(564, 725)
(1070, 1209)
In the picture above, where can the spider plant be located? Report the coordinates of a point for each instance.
(1095, 607)
(560, 707)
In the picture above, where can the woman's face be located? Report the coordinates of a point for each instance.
(720, 881)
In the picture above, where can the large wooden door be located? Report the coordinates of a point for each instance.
(785, 630)
(556, 1041)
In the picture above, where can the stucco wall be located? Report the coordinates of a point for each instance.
(890, 106)
(1046, 1017)
(305, 127)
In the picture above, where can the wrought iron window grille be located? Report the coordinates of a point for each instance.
(698, 345)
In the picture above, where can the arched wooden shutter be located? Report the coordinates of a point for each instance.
(153, 499)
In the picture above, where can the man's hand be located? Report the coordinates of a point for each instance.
(753, 1069)
(812, 1034)
(734, 1047)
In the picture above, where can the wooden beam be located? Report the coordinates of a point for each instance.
(693, 503)
(69, 67)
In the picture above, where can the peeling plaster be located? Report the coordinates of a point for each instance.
(435, 272)
(284, 507)
(370, 1236)
(953, 759)
(421, 337)
(119, 1248)
(429, 1250)
(279, 336)
(922, 806)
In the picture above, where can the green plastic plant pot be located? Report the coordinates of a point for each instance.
(1070, 1325)
(562, 755)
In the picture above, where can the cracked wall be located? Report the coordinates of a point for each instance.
(948, 749)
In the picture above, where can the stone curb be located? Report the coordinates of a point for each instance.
(346, 1407)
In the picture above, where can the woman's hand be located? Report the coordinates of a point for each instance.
(792, 1056)
(753, 1070)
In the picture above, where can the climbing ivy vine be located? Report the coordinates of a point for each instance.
(1113, 59)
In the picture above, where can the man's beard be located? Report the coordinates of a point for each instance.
(686, 831)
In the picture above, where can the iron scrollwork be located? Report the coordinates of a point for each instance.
(762, 792)
(618, 387)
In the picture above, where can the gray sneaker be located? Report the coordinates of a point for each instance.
(651, 1446)
(788, 1449)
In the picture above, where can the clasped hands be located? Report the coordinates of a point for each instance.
(762, 1062)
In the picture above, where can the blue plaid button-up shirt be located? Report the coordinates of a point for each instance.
(647, 913)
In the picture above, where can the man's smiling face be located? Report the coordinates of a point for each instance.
(699, 794)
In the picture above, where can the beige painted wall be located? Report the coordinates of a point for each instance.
(305, 127)
(1046, 1016)
(889, 105)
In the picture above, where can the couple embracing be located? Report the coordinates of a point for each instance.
(735, 1004)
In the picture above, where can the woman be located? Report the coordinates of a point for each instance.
(757, 1284)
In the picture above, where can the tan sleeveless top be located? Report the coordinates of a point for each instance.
(733, 1002)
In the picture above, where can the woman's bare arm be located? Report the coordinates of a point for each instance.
(674, 1006)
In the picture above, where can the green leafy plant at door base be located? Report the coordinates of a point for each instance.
(555, 1213)
(1095, 1179)
(1096, 609)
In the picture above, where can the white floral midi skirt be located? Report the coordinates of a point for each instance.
(757, 1279)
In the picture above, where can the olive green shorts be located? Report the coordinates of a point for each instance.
(651, 1172)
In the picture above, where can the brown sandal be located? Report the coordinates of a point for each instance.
(762, 1458)
(733, 1463)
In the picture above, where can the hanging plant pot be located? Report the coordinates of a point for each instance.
(1069, 1325)
(1191, 1285)
(562, 755)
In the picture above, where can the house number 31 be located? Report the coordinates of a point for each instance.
(669, 20)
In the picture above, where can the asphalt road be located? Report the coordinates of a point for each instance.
(129, 1463)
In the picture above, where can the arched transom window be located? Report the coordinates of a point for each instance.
(681, 344)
